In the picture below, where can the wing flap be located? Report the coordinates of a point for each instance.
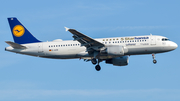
(15, 45)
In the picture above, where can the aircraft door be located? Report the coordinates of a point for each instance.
(153, 40)
(40, 48)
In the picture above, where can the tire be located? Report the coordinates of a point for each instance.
(154, 61)
(98, 68)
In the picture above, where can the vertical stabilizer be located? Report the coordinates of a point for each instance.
(20, 34)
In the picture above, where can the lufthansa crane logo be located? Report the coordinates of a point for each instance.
(18, 31)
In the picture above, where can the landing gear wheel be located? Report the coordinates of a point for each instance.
(98, 68)
(154, 61)
(94, 61)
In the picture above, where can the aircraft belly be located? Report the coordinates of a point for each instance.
(143, 50)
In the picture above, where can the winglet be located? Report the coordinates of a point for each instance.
(66, 28)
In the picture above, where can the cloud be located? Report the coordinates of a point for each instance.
(95, 7)
(139, 27)
(9, 59)
(126, 28)
(112, 5)
(4, 32)
(45, 94)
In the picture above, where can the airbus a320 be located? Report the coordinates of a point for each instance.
(115, 51)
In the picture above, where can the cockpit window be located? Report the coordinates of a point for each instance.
(165, 39)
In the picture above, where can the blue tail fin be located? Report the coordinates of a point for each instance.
(20, 34)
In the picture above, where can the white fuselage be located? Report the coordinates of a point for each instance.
(134, 45)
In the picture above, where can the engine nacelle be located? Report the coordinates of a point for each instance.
(115, 50)
(119, 61)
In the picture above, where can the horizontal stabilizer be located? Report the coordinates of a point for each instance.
(15, 45)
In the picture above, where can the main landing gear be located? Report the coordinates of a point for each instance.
(97, 67)
(154, 60)
(94, 61)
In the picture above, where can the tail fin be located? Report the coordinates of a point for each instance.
(20, 34)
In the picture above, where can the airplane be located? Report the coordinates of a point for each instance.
(115, 51)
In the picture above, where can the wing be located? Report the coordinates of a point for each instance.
(86, 41)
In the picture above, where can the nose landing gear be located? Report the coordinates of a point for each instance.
(154, 60)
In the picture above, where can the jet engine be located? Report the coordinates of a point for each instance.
(115, 50)
(119, 61)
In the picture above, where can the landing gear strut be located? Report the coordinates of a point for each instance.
(98, 67)
(154, 60)
(94, 61)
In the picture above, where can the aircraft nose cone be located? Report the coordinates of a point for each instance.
(174, 45)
